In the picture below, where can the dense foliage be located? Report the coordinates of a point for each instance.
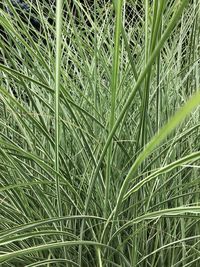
(99, 133)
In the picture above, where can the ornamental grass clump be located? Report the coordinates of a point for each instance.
(99, 133)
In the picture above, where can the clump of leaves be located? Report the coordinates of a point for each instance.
(99, 141)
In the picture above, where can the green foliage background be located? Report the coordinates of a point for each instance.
(99, 134)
